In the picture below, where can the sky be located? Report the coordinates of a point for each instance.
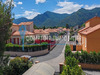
(31, 8)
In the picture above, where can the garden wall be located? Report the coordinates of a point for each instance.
(36, 53)
(90, 66)
(71, 46)
(78, 47)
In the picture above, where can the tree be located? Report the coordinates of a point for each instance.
(43, 27)
(67, 26)
(18, 66)
(5, 24)
(71, 67)
(83, 25)
(35, 27)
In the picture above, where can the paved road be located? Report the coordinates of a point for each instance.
(55, 56)
(54, 53)
(90, 72)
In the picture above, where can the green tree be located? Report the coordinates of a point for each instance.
(35, 27)
(17, 66)
(5, 24)
(71, 61)
(67, 26)
(83, 25)
(71, 67)
(44, 27)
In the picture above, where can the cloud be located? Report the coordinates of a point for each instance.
(22, 8)
(40, 1)
(20, 3)
(91, 7)
(67, 7)
(28, 14)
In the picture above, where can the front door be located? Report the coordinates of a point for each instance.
(74, 47)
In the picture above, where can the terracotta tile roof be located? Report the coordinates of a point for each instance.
(51, 30)
(64, 29)
(26, 23)
(40, 31)
(83, 29)
(14, 24)
(17, 33)
(92, 18)
(90, 30)
(60, 28)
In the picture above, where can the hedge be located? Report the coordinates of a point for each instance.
(27, 48)
(71, 67)
(84, 56)
(17, 66)
(72, 39)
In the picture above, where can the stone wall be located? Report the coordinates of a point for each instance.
(37, 53)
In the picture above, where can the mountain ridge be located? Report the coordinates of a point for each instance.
(54, 19)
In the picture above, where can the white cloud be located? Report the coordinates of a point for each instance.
(20, 3)
(91, 7)
(18, 15)
(40, 1)
(22, 8)
(28, 14)
(67, 7)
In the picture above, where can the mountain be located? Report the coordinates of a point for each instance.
(80, 17)
(19, 20)
(53, 19)
(46, 19)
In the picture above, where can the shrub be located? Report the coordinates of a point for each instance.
(84, 56)
(71, 61)
(68, 51)
(9, 45)
(71, 67)
(77, 55)
(72, 39)
(18, 48)
(18, 66)
(98, 57)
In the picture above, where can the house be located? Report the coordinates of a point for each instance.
(89, 37)
(40, 33)
(30, 31)
(52, 32)
(76, 27)
(15, 34)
